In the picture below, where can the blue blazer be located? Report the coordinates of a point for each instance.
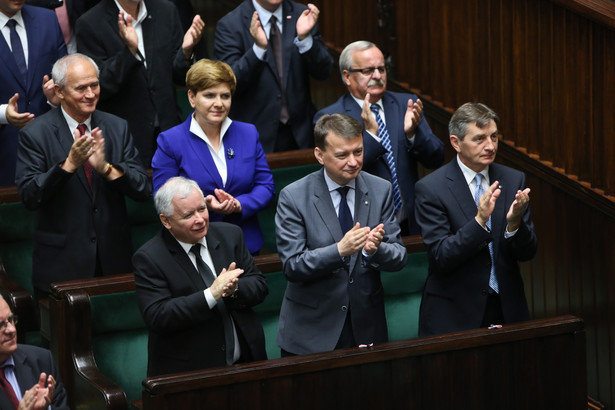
(249, 179)
(258, 96)
(45, 45)
(456, 289)
(426, 147)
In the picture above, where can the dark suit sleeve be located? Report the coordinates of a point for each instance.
(426, 147)
(135, 182)
(37, 181)
(524, 244)
(317, 59)
(447, 249)
(232, 46)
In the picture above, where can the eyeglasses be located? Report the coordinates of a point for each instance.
(11, 319)
(368, 71)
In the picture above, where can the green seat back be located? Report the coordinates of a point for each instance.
(144, 221)
(403, 292)
(119, 340)
(16, 233)
(269, 311)
(266, 217)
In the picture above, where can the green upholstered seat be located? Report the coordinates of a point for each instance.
(119, 340)
(144, 221)
(403, 291)
(16, 233)
(269, 311)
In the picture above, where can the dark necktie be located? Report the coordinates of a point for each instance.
(344, 214)
(87, 168)
(17, 49)
(275, 38)
(385, 140)
(8, 389)
(493, 281)
(209, 277)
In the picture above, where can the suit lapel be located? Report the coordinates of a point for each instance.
(182, 259)
(34, 45)
(24, 373)
(9, 60)
(324, 206)
(201, 149)
(149, 38)
(459, 189)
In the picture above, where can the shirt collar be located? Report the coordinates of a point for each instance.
(196, 129)
(360, 102)
(469, 175)
(187, 246)
(72, 124)
(17, 17)
(142, 12)
(9, 362)
(265, 15)
(332, 185)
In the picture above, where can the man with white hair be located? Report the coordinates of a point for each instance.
(396, 136)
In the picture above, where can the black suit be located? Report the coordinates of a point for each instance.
(30, 362)
(184, 333)
(74, 224)
(129, 89)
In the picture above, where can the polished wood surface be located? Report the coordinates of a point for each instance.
(536, 364)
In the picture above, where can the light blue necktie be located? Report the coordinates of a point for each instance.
(493, 281)
(383, 134)
(17, 49)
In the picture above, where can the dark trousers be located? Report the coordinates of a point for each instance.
(493, 311)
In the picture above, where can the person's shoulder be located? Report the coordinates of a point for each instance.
(153, 246)
(231, 17)
(402, 98)
(336, 107)
(224, 228)
(39, 13)
(436, 175)
(32, 352)
(246, 127)
(41, 122)
(164, 7)
(300, 186)
(373, 181)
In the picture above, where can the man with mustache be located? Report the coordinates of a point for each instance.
(396, 135)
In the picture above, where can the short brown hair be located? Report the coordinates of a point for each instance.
(340, 124)
(206, 73)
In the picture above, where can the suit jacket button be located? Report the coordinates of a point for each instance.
(351, 280)
(223, 348)
(344, 308)
(484, 292)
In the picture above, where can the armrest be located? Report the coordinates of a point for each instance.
(92, 388)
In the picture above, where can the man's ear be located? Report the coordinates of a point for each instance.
(455, 142)
(165, 221)
(318, 154)
(346, 76)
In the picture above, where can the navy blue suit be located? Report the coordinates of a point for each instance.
(45, 45)
(258, 96)
(426, 147)
(457, 287)
(30, 362)
(249, 179)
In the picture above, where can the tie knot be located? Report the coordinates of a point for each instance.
(375, 108)
(81, 128)
(273, 19)
(479, 179)
(343, 190)
(196, 249)
(12, 23)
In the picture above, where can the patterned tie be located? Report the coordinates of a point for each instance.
(8, 389)
(208, 277)
(17, 49)
(87, 168)
(275, 38)
(344, 214)
(493, 281)
(383, 134)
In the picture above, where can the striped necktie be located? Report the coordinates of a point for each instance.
(385, 140)
(493, 281)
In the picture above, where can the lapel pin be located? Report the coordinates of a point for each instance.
(230, 153)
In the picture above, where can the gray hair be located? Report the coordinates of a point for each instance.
(346, 62)
(340, 124)
(471, 112)
(60, 67)
(176, 187)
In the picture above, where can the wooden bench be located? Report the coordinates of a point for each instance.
(100, 340)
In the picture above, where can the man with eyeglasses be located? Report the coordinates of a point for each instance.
(396, 135)
(23, 366)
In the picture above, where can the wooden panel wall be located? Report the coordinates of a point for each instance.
(548, 67)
